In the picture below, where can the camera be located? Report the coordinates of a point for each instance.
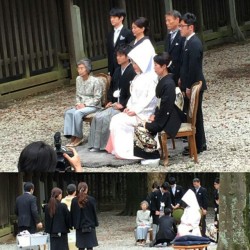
(62, 163)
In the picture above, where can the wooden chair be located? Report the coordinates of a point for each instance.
(105, 79)
(150, 234)
(187, 129)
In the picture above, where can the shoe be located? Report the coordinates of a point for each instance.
(204, 148)
(78, 143)
(94, 150)
(185, 152)
(153, 162)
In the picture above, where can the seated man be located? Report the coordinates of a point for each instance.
(118, 96)
(167, 229)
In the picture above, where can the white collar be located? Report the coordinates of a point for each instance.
(119, 28)
(187, 38)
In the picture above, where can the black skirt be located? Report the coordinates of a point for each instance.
(59, 242)
(86, 240)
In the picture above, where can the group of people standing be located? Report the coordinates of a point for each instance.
(168, 199)
(143, 88)
(77, 210)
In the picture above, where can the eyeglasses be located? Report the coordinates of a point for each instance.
(183, 25)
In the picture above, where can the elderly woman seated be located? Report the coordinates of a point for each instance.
(88, 100)
(144, 222)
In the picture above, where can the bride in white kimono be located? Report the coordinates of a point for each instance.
(140, 106)
(191, 217)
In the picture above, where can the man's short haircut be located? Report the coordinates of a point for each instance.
(37, 157)
(171, 180)
(165, 186)
(28, 186)
(217, 180)
(71, 188)
(117, 12)
(189, 18)
(196, 180)
(167, 211)
(174, 13)
(123, 49)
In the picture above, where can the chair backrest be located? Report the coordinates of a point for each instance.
(193, 105)
(105, 80)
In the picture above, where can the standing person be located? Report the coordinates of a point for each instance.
(119, 35)
(71, 193)
(216, 204)
(202, 198)
(191, 72)
(88, 100)
(191, 217)
(160, 200)
(176, 192)
(84, 218)
(167, 229)
(174, 42)
(26, 210)
(143, 222)
(140, 105)
(166, 116)
(57, 221)
(118, 96)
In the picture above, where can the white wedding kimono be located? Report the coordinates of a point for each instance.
(142, 101)
(190, 219)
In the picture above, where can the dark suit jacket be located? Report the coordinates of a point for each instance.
(202, 197)
(60, 222)
(176, 198)
(26, 211)
(167, 117)
(122, 82)
(167, 229)
(157, 198)
(175, 50)
(84, 217)
(191, 66)
(125, 37)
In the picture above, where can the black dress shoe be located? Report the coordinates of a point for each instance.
(204, 148)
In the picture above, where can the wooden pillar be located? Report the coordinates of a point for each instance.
(199, 16)
(168, 5)
(68, 6)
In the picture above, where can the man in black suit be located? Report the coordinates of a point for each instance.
(160, 200)
(119, 35)
(191, 72)
(174, 42)
(176, 193)
(202, 198)
(26, 210)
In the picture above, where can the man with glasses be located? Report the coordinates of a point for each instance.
(191, 72)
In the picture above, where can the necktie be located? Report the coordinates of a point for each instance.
(185, 43)
(172, 36)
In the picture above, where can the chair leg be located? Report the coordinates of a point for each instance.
(160, 141)
(194, 149)
(164, 148)
(173, 143)
(190, 146)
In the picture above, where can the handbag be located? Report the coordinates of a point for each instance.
(144, 140)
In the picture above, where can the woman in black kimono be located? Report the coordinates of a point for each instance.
(57, 221)
(84, 218)
(167, 115)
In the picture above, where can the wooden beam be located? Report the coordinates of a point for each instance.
(68, 6)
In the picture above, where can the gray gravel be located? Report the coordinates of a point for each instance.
(226, 116)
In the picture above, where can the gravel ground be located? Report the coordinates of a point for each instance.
(116, 232)
(226, 117)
